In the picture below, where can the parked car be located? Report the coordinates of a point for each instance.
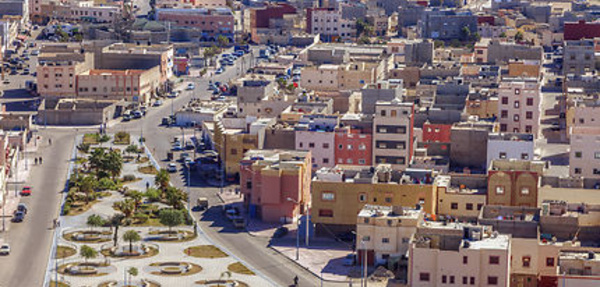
(166, 121)
(349, 260)
(281, 232)
(202, 203)
(172, 167)
(35, 52)
(19, 217)
(26, 191)
(137, 114)
(22, 207)
(238, 53)
(126, 118)
(5, 249)
(158, 103)
(177, 146)
(219, 71)
(239, 222)
(191, 86)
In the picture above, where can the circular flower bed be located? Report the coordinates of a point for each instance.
(88, 236)
(172, 236)
(173, 268)
(86, 269)
(137, 252)
(215, 283)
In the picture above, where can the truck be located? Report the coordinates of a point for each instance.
(245, 48)
(202, 203)
(239, 222)
(264, 53)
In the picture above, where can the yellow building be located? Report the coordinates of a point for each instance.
(231, 144)
(339, 193)
(459, 200)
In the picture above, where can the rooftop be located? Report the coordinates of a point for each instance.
(511, 137)
(382, 173)
(275, 158)
(388, 212)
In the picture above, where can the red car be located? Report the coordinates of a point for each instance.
(26, 191)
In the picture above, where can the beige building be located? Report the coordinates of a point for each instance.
(385, 231)
(57, 71)
(514, 182)
(584, 156)
(393, 133)
(519, 106)
(446, 254)
(330, 77)
(258, 97)
(129, 85)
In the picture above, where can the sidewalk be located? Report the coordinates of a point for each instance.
(14, 184)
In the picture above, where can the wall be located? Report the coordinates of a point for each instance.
(323, 145)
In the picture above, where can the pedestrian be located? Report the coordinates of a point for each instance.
(54, 223)
(36, 160)
(58, 222)
(147, 185)
(41, 159)
(50, 141)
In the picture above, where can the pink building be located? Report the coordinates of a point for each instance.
(353, 147)
(276, 183)
(519, 106)
(212, 22)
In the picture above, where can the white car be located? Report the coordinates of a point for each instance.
(191, 86)
(5, 249)
(172, 167)
(219, 71)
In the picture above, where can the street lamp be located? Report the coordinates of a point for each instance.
(297, 231)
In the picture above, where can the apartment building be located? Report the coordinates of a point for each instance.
(316, 133)
(129, 85)
(516, 146)
(584, 154)
(579, 57)
(519, 106)
(231, 140)
(583, 110)
(445, 24)
(352, 146)
(469, 145)
(453, 253)
(393, 136)
(514, 182)
(339, 193)
(461, 196)
(384, 232)
(418, 51)
(89, 12)
(191, 3)
(436, 132)
(581, 30)
(213, 22)
(258, 19)
(57, 72)
(494, 51)
(132, 56)
(257, 97)
(329, 23)
(329, 77)
(276, 183)
(382, 90)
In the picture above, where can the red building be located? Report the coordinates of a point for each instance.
(486, 19)
(353, 147)
(436, 132)
(260, 18)
(581, 30)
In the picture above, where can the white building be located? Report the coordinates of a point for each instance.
(584, 156)
(509, 146)
(519, 106)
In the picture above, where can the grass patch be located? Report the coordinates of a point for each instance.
(148, 169)
(64, 252)
(58, 284)
(205, 251)
(79, 207)
(187, 236)
(220, 282)
(122, 138)
(240, 268)
(71, 237)
(62, 269)
(91, 139)
(143, 159)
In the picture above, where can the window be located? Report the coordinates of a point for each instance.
(327, 196)
(233, 151)
(325, 145)
(469, 206)
(472, 280)
(577, 154)
(465, 260)
(528, 129)
(393, 113)
(517, 91)
(530, 101)
(577, 170)
(300, 144)
(529, 115)
(479, 206)
(492, 280)
(596, 171)
(451, 279)
(465, 280)
(350, 147)
(505, 100)
(325, 213)
(424, 276)
(502, 155)
(549, 261)
(597, 155)
(526, 260)
(494, 260)
(453, 205)
(525, 156)
(362, 197)
(385, 240)
(362, 147)
(516, 118)
(444, 279)
(504, 114)
(503, 127)
(311, 145)
(325, 160)
(383, 113)
(516, 105)
(362, 161)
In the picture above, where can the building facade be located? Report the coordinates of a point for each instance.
(393, 133)
(519, 106)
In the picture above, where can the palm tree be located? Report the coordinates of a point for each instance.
(115, 221)
(127, 206)
(95, 220)
(132, 272)
(162, 179)
(131, 236)
(87, 252)
(137, 197)
(113, 163)
(175, 197)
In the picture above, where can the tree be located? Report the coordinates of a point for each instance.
(132, 272)
(115, 221)
(363, 28)
(87, 185)
(170, 217)
(465, 34)
(87, 252)
(113, 163)
(175, 197)
(519, 36)
(96, 159)
(502, 35)
(83, 147)
(103, 138)
(223, 41)
(95, 220)
(162, 179)
(137, 197)
(153, 194)
(131, 236)
(132, 149)
(127, 206)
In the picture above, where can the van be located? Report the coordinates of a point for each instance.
(239, 222)
(202, 203)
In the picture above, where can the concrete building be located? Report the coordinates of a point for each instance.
(212, 22)
(385, 231)
(276, 184)
(328, 77)
(493, 51)
(570, 221)
(196, 112)
(57, 71)
(88, 11)
(131, 56)
(519, 221)
(514, 182)
(315, 133)
(393, 136)
(581, 30)
(468, 149)
(509, 146)
(260, 18)
(460, 254)
(446, 24)
(340, 193)
(329, 23)
(75, 112)
(482, 103)
(439, 133)
(411, 52)
(519, 106)
(383, 90)
(19, 8)
(353, 147)
(584, 154)
(461, 196)
(190, 3)
(129, 85)
(579, 57)
(257, 97)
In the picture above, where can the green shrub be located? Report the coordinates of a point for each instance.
(66, 208)
(153, 194)
(106, 183)
(141, 218)
(129, 177)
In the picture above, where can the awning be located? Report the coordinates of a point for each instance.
(22, 37)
